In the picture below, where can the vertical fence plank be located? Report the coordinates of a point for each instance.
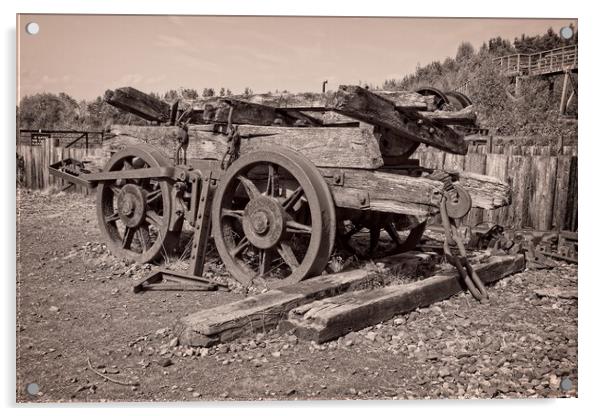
(542, 204)
(475, 163)
(521, 182)
(571, 214)
(454, 163)
(497, 166)
(561, 194)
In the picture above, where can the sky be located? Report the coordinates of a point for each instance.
(84, 55)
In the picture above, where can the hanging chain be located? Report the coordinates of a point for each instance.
(467, 273)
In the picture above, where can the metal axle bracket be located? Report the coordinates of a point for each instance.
(178, 281)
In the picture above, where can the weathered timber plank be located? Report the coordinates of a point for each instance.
(466, 116)
(497, 166)
(486, 191)
(325, 146)
(165, 138)
(563, 177)
(261, 312)
(382, 191)
(571, 214)
(454, 163)
(331, 318)
(317, 101)
(474, 163)
(521, 181)
(366, 106)
(261, 115)
(136, 102)
(542, 204)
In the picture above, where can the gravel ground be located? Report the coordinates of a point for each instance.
(75, 303)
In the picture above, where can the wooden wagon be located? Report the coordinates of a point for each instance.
(278, 180)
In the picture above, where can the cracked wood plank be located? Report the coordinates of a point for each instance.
(330, 318)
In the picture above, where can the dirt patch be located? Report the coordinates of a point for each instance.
(75, 302)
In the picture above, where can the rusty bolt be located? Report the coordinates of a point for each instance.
(431, 130)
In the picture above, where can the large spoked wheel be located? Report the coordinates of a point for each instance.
(134, 214)
(273, 218)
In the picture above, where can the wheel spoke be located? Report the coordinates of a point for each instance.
(128, 236)
(292, 199)
(126, 165)
(287, 254)
(112, 218)
(152, 195)
(234, 213)
(249, 186)
(297, 227)
(240, 247)
(265, 261)
(152, 218)
(272, 183)
(143, 238)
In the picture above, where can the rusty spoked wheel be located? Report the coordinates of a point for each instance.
(273, 218)
(134, 214)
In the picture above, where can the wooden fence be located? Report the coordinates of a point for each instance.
(544, 188)
(523, 150)
(36, 159)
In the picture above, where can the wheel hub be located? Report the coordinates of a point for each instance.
(263, 222)
(131, 205)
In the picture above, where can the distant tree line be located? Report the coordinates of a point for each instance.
(534, 113)
(61, 111)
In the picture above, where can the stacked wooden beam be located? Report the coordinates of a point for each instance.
(406, 115)
(327, 307)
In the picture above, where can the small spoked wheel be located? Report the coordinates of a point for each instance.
(134, 214)
(273, 218)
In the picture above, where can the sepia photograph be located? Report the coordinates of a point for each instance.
(277, 208)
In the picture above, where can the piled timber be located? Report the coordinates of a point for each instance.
(327, 307)
(261, 312)
(402, 116)
(136, 102)
(333, 317)
(355, 147)
(364, 105)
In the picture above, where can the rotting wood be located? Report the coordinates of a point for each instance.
(474, 163)
(542, 203)
(486, 191)
(366, 106)
(309, 101)
(497, 167)
(561, 194)
(136, 102)
(325, 147)
(382, 191)
(330, 318)
(466, 116)
(261, 312)
(521, 182)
